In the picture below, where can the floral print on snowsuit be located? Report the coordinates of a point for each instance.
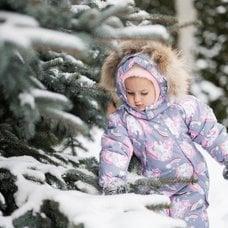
(163, 138)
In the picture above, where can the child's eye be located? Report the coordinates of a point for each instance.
(130, 93)
(144, 94)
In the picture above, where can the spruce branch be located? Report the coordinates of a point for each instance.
(115, 10)
(158, 207)
(54, 100)
(97, 17)
(61, 158)
(2, 202)
(74, 175)
(72, 143)
(154, 18)
(177, 27)
(40, 39)
(72, 122)
(11, 148)
(147, 185)
(8, 188)
(36, 83)
(33, 178)
(51, 63)
(55, 182)
(149, 32)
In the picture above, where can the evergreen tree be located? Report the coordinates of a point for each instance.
(165, 8)
(51, 53)
(212, 54)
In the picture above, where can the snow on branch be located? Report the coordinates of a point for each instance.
(18, 19)
(39, 38)
(41, 97)
(56, 99)
(96, 17)
(177, 27)
(112, 211)
(132, 32)
(79, 8)
(155, 18)
(120, 2)
(117, 10)
(67, 119)
(44, 38)
(50, 104)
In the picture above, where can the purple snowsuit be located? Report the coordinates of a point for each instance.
(163, 138)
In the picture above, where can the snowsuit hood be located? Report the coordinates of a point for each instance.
(168, 61)
(150, 72)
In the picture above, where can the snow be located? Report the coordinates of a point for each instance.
(38, 94)
(103, 211)
(8, 34)
(118, 2)
(54, 99)
(221, 9)
(136, 32)
(212, 92)
(79, 8)
(26, 99)
(51, 96)
(85, 80)
(18, 19)
(68, 119)
(29, 34)
(86, 187)
(217, 210)
(145, 31)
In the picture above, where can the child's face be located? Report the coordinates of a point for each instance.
(140, 92)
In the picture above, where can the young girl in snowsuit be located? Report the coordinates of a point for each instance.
(160, 124)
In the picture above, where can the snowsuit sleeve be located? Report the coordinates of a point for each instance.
(205, 130)
(115, 154)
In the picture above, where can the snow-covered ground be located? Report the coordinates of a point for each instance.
(218, 195)
(95, 210)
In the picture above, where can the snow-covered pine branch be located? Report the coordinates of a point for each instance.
(71, 121)
(132, 32)
(54, 100)
(24, 32)
(76, 207)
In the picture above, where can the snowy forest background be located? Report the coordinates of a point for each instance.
(52, 110)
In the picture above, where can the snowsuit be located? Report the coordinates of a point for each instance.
(163, 138)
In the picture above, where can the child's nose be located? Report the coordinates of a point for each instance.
(137, 99)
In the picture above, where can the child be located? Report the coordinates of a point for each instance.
(160, 124)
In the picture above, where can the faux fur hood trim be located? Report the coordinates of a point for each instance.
(168, 60)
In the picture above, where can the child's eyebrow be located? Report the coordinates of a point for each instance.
(143, 90)
(128, 89)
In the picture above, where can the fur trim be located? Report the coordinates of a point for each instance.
(169, 61)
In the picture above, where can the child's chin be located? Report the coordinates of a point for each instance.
(140, 108)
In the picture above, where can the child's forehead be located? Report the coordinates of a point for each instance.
(135, 79)
(138, 83)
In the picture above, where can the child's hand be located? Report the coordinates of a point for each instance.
(225, 171)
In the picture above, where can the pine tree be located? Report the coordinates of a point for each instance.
(212, 55)
(51, 54)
